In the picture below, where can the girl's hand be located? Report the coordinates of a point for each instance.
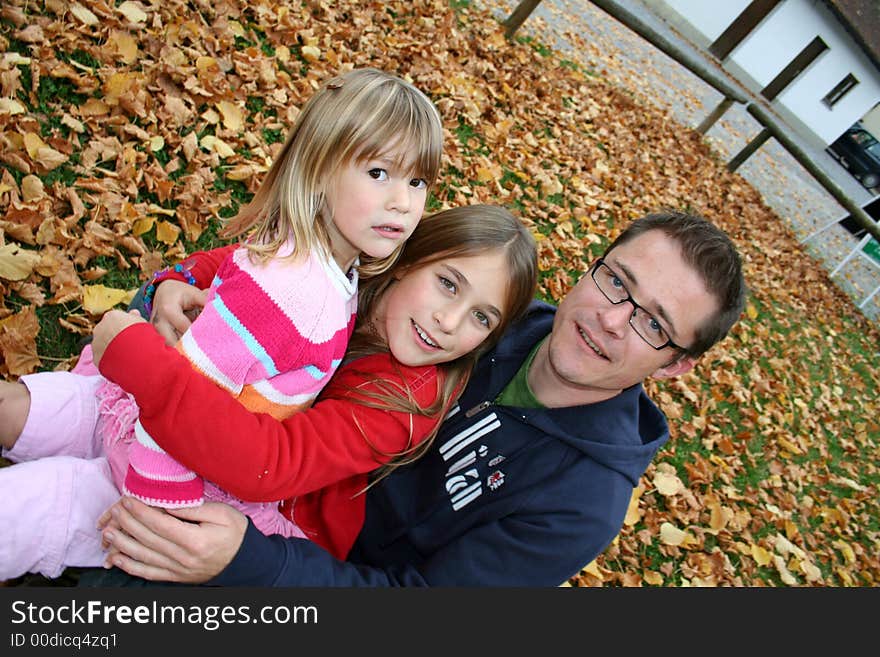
(112, 324)
(175, 305)
(177, 545)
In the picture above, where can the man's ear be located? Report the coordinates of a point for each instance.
(678, 367)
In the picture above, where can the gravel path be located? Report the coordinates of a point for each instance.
(584, 33)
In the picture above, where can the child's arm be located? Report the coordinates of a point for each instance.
(201, 267)
(174, 296)
(254, 456)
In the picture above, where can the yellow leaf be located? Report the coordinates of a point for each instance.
(784, 573)
(132, 11)
(847, 580)
(15, 59)
(142, 225)
(672, 535)
(653, 578)
(204, 63)
(668, 483)
(157, 143)
(32, 188)
(633, 514)
(125, 46)
(167, 233)
(98, 299)
(16, 263)
(762, 556)
(94, 107)
(50, 158)
(116, 85)
(593, 569)
(11, 106)
(485, 175)
(311, 53)
(236, 28)
(751, 312)
(232, 118)
(846, 551)
(719, 517)
(33, 144)
(785, 443)
(212, 143)
(241, 172)
(83, 15)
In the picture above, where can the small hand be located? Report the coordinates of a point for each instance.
(175, 306)
(112, 324)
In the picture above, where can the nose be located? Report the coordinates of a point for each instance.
(449, 317)
(615, 318)
(399, 195)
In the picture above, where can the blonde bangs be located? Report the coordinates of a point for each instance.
(401, 127)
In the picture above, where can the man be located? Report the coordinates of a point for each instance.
(531, 475)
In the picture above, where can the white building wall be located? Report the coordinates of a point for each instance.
(871, 121)
(709, 18)
(776, 41)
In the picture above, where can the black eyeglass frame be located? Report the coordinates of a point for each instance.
(601, 263)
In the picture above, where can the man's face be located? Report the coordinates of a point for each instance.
(593, 352)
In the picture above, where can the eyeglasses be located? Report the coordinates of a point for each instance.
(642, 322)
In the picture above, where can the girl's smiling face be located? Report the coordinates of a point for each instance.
(436, 312)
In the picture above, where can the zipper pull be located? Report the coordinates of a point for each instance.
(482, 406)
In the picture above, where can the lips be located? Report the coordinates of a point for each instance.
(592, 345)
(425, 336)
(393, 231)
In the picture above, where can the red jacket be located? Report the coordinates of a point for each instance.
(317, 460)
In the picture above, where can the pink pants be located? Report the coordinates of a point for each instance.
(50, 500)
(63, 478)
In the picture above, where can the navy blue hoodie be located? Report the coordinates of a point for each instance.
(506, 496)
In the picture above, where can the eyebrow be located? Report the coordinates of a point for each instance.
(464, 282)
(660, 309)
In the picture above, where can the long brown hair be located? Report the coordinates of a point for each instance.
(459, 232)
(356, 116)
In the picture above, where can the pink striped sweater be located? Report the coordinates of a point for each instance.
(272, 334)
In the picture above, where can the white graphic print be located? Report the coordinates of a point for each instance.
(464, 485)
(464, 488)
(464, 438)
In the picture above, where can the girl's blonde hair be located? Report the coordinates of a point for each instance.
(460, 232)
(356, 116)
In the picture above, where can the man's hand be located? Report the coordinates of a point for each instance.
(175, 305)
(174, 545)
(112, 324)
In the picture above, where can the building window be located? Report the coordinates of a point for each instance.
(840, 90)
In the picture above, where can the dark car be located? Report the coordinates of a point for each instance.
(859, 151)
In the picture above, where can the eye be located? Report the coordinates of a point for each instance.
(482, 318)
(418, 183)
(446, 283)
(654, 326)
(378, 173)
(616, 282)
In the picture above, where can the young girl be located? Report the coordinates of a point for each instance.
(464, 275)
(351, 179)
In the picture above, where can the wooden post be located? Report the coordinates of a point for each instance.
(709, 121)
(750, 148)
(519, 15)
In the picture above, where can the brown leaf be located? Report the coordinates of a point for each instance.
(18, 345)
